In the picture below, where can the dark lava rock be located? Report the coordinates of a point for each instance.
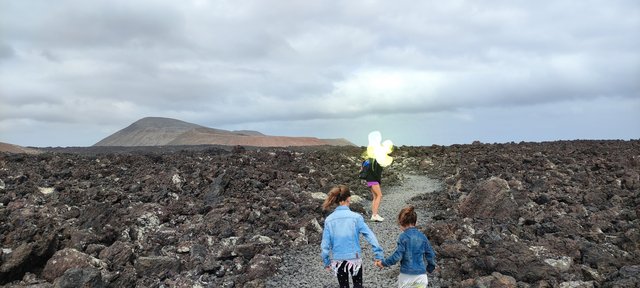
(80, 277)
(66, 259)
(492, 199)
(539, 214)
(126, 208)
(158, 266)
(119, 254)
(551, 214)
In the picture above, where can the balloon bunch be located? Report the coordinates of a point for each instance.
(379, 151)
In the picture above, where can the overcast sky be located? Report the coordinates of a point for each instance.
(420, 72)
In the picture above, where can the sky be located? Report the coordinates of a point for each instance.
(73, 72)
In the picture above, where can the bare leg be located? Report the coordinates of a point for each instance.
(377, 197)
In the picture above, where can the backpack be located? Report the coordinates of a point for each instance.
(365, 169)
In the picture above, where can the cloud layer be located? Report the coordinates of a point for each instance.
(100, 65)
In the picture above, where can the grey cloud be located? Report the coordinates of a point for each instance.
(31, 98)
(50, 55)
(100, 24)
(6, 51)
(253, 61)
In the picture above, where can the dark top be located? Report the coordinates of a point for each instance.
(375, 173)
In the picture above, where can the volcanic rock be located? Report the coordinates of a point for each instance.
(119, 254)
(69, 258)
(490, 199)
(547, 214)
(560, 213)
(79, 277)
(495, 280)
(158, 266)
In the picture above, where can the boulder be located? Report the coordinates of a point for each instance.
(16, 262)
(576, 284)
(627, 276)
(496, 280)
(491, 199)
(261, 266)
(118, 254)
(66, 259)
(80, 277)
(158, 266)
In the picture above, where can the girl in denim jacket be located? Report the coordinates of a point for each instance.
(413, 248)
(341, 237)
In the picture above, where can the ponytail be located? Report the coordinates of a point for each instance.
(407, 216)
(336, 195)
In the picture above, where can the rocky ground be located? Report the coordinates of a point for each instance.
(556, 214)
(302, 266)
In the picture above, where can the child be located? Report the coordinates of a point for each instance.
(413, 248)
(340, 236)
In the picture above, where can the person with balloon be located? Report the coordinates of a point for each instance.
(378, 156)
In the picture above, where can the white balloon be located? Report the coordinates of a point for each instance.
(374, 138)
(379, 151)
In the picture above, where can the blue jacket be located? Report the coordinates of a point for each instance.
(413, 247)
(341, 236)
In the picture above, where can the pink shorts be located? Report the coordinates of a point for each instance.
(371, 183)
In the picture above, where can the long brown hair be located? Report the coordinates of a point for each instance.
(407, 216)
(336, 195)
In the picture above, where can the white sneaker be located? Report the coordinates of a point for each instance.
(377, 218)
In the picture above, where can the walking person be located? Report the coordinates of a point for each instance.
(412, 249)
(341, 239)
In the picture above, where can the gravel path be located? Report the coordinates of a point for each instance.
(302, 267)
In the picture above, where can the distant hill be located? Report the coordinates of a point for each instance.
(338, 142)
(11, 148)
(158, 131)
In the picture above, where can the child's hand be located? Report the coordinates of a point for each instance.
(378, 263)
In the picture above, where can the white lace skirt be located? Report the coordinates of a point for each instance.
(354, 264)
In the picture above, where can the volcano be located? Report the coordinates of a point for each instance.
(159, 131)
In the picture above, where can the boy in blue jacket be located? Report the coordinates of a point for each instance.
(413, 248)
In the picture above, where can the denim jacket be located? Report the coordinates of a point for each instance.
(413, 247)
(341, 236)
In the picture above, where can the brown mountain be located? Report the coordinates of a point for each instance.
(11, 148)
(158, 131)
